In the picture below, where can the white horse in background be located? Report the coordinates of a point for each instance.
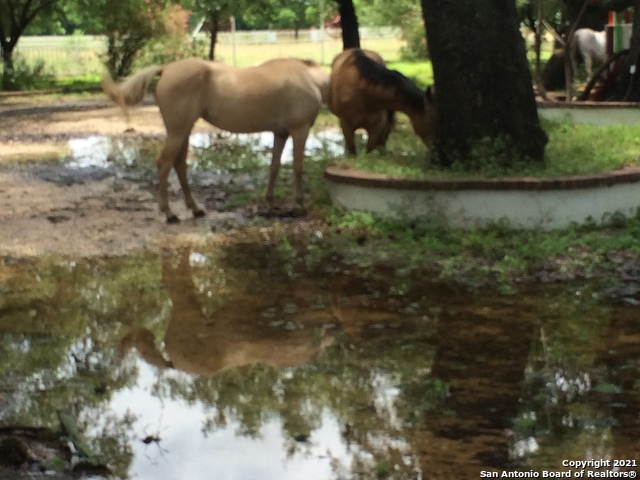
(592, 47)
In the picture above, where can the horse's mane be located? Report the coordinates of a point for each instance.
(378, 74)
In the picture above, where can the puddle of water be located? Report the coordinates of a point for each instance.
(242, 362)
(101, 151)
(268, 452)
(215, 159)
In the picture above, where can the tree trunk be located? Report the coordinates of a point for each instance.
(7, 67)
(349, 23)
(483, 85)
(17, 16)
(213, 31)
(482, 380)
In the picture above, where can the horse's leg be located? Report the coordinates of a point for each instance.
(181, 170)
(574, 60)
(372, 139)
(348, 132)
(299, 141)
(377, 133)
(279, 141)
(588, 62)
(165, 162)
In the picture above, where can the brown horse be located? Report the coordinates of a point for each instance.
(282, 96)
(364, 93)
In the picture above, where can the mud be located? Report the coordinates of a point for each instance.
(43, 212)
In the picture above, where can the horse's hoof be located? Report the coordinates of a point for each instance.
(173, 219)
(199, 213)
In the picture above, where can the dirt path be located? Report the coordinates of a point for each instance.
(92, 217)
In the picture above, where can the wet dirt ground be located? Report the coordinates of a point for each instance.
(185, 361)
(88, 217)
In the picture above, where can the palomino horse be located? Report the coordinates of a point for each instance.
(282, 96)
(363, 93)
(592, 47)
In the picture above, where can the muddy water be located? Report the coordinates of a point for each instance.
(264, 361)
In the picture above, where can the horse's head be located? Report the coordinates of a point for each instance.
(425, 121)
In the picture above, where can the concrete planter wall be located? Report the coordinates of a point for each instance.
(593, 113)
(547, 203)
(529, 203)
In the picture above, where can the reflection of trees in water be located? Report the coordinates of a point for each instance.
(568, 390)
(401, 386)
(134, 157)
(59, 333)
(274, 322)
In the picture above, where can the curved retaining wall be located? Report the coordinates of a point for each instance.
(593, 113)
(530, 203)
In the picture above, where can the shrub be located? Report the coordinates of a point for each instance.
(23, 76)
(413, 33)
(172, 38)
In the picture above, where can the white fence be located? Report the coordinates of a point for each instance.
(74, 55)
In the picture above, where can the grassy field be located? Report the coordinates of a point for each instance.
(71, 56)
(77, 56)
(324, 52)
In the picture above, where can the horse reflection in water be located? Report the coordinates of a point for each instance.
(232, 336)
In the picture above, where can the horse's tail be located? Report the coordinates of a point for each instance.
(131, 90)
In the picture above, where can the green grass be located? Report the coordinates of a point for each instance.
(496, 254)
(420, 72)
(573, 149)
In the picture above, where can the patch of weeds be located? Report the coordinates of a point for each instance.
(356, 219)
(230, 153)
(382, 470)
(431, 396)
(134, 157)
(495, 255)
(245, 161)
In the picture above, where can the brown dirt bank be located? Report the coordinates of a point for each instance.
(92, 217)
